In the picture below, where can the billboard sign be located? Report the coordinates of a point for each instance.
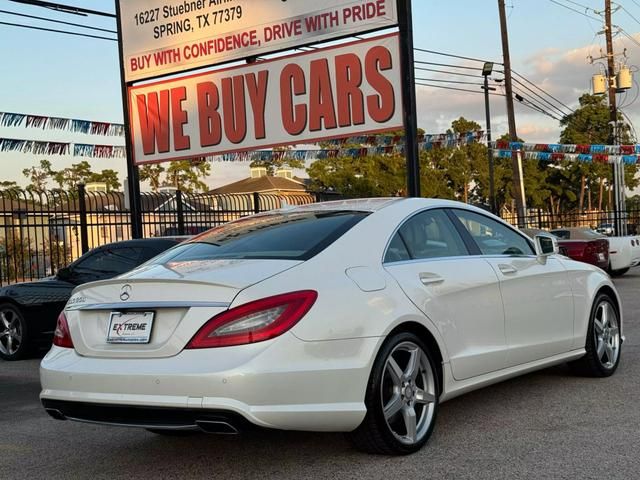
(343, 90)
(161, 37)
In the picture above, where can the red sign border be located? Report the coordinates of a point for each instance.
(130, 89)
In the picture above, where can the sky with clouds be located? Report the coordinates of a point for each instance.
(58, 75)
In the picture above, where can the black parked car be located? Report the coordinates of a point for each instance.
(29, 311)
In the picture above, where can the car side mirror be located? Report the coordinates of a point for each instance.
(64, 273)
(546, 245)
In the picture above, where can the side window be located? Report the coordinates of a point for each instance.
(563, 234)
(397, 251)
(492, 237)
(426, 235)
(108, 263)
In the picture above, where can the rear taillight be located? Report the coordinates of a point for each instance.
(255, 321)
(62, 336)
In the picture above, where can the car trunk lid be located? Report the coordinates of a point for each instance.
(180, 296)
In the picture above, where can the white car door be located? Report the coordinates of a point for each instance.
(459, 293)
(537, 295)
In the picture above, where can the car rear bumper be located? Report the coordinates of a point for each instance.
(284, 383)
(210, 421)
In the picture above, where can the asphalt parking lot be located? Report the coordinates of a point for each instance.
(544, 425)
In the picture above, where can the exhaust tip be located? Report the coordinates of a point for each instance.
(55, 413)
(217, 427)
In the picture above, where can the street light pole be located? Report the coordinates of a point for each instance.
(486, 71)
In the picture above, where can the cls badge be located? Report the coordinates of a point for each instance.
(125, 292)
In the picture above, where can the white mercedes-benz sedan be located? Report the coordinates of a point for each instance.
(354, 316)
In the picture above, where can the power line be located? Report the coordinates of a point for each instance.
(448, 81)
(576, 11)
(447, 65)
(57, 31)
(630, 37)
(59, 7)
(586, 8)
(57, 21)
(534, 107)
(522, 77)
(544, 100)
(521, 97)
(434, 52)
(457, 89)
(628, 13)
(446, 72)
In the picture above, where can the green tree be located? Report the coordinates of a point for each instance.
(8, 186)
(187, 175)
(463, 163)
(39, 176)
(70, 177)
(589, 125)
(108, 177)
(153, 175)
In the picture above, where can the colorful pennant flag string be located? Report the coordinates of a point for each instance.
(568, 148)
(57, 148)
(572, 157)
(117, 130)
(64, 124)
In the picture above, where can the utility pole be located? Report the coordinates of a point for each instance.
(405, 24)
(133, 174)
(618, 167)
(487, 69)
(521, 204)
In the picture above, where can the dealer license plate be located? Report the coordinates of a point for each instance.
(131, 327)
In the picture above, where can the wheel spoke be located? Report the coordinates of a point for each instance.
(395, 372)
(393, 406)
(613, 331)
(409, 416)
(413, 366)
(600, 348)
(424, 397)
(605, 315)
(598, 325)
(10, 344)
(3, 319)
(609, 349)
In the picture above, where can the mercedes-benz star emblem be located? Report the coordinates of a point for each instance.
(125, 292)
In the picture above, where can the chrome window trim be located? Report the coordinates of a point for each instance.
(401, 224)
(145, 305)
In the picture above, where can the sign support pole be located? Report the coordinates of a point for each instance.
(405, 21)
(133, 183)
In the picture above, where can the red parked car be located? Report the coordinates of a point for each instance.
(594, 250)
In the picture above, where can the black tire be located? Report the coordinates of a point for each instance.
(375, 434)
(173, 433)
(593, 364)
(618, 273)
(12, 326)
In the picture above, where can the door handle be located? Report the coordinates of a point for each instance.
(430, 278)
(507, 269)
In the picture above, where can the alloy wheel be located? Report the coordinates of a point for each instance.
(607, 334)
(408, 392)
(10, 332)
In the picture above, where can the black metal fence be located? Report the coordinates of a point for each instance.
(40, 232)
(589, 219)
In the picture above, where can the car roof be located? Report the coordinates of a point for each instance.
(159, 242)
(375, 204)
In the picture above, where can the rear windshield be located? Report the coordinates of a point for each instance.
(289, 236)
